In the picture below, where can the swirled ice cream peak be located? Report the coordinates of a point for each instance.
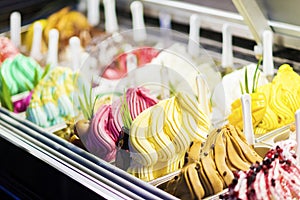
(165, 131)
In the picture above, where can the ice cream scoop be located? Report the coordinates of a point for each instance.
(20, 73)
(258, 106)
(118, 68)
(103, 134)
(7, 49)
(53, 98)
(99, 140)
(273, 104)
(160, 135)
(232, 87)
(18, 76)
(211, 164)
(276, 177)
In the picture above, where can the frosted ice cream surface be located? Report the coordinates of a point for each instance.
(118, 68)
(7, 49)
(68, 22)
(52, 100)
(230, 88)
(276, 177)
(161, 134)
(104, 128)
(19, 73)
(211, 164)
(273, 104)
(18, 76)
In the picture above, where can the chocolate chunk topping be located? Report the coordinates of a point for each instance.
(234, 181)
(258, 168)
(224, 173)
(273, 182)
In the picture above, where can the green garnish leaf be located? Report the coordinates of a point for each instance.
(87, 104)
(91, 102)
(172, 89)
(6, 97)
(241, 87)
(246, 81)
(125, 113)
(28, 87)
(46, 71)
(256, 82)
(84, 109)
(36, 77)
(255, 77)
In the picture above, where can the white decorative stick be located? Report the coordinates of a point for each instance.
(165, 92)
(75, 47)
(111, 23)
(297, 123)
(193, 45)
(227, 54)
(36, 47)
(131, 64)
(202, 90)
(164, 20)
(138, 24)
(247, 119)
(93, 12)
(15, 29)
(268, 64)
(53, 48)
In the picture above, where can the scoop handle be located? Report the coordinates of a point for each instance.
(15, 28)
(247, 118)
(164, 20)
(227, 54)
(268, 64)
(138, 24)
(202, 93)
(193, 44)
(93, 12)
(52, 57)
(297, 121)
(111, 23)
(37, 41)
(74, 43)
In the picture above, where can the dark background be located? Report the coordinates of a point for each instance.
(30, 10)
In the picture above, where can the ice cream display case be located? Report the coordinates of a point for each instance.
(146, 105)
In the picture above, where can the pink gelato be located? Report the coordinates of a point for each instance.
(106, 125)
(118, 68)
(7, 49)
(277, 177)
(101, 141)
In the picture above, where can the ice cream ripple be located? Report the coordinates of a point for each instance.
(160, 135)
(276, 177)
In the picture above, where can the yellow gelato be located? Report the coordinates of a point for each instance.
(161, 134)
(281, 102)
